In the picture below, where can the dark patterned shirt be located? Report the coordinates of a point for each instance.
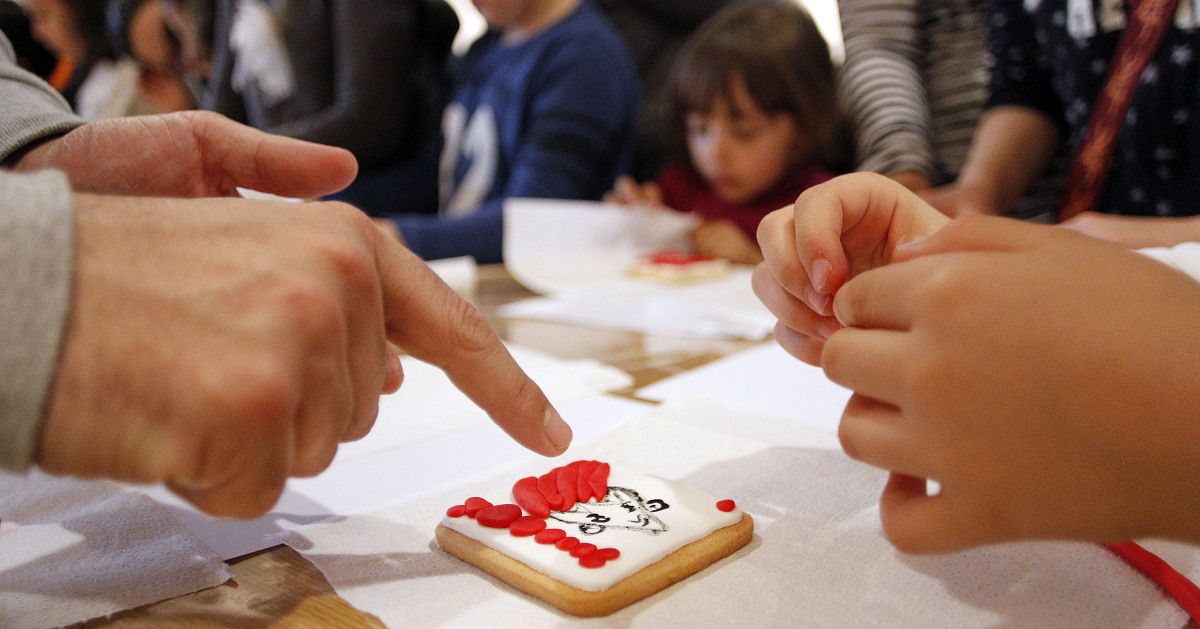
(1054, 56)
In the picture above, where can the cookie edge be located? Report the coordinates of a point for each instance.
(658, 576)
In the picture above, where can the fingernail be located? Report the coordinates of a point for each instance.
(557, 430)
(818, 302)
(819, 273)
(393, 373)
(827, 326)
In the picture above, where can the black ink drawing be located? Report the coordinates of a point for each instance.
(621, 508)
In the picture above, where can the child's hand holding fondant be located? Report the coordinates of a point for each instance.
(834, 231)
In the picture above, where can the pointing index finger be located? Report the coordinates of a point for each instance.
(432, 323)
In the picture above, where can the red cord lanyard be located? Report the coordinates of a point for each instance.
(1177, 586)
(1148, 22)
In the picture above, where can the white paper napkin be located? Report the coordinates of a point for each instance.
(578, 254)
(72, 550)
(818, 558)
(762, 380)
(552, 245)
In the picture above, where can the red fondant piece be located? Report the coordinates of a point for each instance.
(526, 493)
(678, 258)
(592, 560)
(565, 483)
(566, 543)
(583, 490)
(549, 536)
(726, 505)
(598, 480)
(526, 526)
(499, 516)
(608, 553)
(546, 485)
(457, 511)
(583, 549)
(474, 504)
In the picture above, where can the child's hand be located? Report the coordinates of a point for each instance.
(1135, 231)
(1045, 380)
(630, 192)
(833, 232)
(724, 239)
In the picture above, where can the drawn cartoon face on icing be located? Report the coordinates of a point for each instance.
(622, 508)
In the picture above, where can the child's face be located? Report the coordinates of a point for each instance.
(739, 150)
(503, 14)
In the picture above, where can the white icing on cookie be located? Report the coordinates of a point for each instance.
(644, 517)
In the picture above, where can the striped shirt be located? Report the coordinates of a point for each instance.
(914, 83)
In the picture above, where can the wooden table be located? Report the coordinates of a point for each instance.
(278, 587)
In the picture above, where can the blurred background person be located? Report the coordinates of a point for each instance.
(138, 31)
(654, 31)
(88, 73)
(30, 53)
(914, 83)
(544, 105)
(368, 77)
(754, 121)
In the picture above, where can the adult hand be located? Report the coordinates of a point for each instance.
(1135, 231)
(190, 154)
(1044, 379)
(221, 345)
(833, 232)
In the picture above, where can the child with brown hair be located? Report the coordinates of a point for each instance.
(756, 121)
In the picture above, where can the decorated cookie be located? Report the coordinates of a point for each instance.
(678, 266)
(590, 538)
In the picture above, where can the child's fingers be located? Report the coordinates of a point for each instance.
(885, 297)
(802, 346)
(623, 191)
(978, 233)
(819, 216)
(873, 432)
(781, 265)
(915, 522)
(910, 516)
(793, 313)
(869, 362)
(652, 194)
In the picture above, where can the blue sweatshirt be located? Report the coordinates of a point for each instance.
(552, 116)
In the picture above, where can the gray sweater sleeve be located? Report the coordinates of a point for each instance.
(36, 245)
(36, 255)
(29, 109)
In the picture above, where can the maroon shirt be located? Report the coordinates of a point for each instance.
(682, 191)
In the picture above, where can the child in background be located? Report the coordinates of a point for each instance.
(544, 105)
(756, 121)
(88, 74)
